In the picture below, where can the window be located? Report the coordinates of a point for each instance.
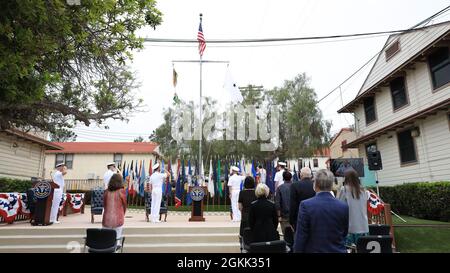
(316, 163)
(439, 62)
(59, 159)
(398, 92)
(343, 143)
(371, 147)
(118, 159)
(392, 50)
(64, 158)
(369, 110)
(406, 147)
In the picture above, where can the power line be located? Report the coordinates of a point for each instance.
(266, 40)
(273, 45)
(413, 28)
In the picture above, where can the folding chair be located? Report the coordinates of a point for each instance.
(96, 203)
(268, 247)
(102, 240)
(378, 229)
(374, 244)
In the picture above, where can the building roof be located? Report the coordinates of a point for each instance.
(106, 147)
(35, 139)
(324, 152)
(412, 45)
(339, 133)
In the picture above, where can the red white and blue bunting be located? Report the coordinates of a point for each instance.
(75, 201)
(374, 205)
(24, 204)
(10, 206)
(63, 203)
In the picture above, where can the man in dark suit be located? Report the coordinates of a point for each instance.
(300, 190)
(322, 223)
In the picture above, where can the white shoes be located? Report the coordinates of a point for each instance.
(56, 222)
(157, 221)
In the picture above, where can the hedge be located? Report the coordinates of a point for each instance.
(14, 185)
(425, 200)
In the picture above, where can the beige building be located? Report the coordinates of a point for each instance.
(319, 160)
(337, 144)
(403, 107)
(22, 154)
(88, 160)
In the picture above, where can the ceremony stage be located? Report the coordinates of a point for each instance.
(216, 235)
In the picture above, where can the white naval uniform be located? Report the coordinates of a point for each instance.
(57, 195)
(262, 176)
(107, 177)
(157, 181)
(279, 178)
(235, 183)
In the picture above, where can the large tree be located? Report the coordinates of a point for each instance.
(61, 64)
(302, 129)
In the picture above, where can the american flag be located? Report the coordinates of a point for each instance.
(201, 40)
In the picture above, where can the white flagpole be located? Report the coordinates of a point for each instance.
(201, 124)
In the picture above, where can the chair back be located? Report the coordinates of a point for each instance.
(374, 244)
(101, 240)
(268, 247)
(378, 229)
(97, 198)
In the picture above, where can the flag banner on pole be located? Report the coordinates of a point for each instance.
(178, 186)
(169, 186)
(142, 180)
(295, 174)
(253, 169)
(219, 180)
(232, 87)
(210, 180)
(201, 39)
(189, 178)
(175, 77)
(216, 190)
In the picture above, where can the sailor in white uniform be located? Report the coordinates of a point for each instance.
(111, 170)
(279, 175)
(155, 187)
(57, 193)
(234, 184)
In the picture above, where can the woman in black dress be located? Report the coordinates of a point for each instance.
(246, 197)
(262, 218)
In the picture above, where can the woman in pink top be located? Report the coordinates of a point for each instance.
(115, 205)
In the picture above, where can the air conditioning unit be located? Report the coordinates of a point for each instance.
(91, 176)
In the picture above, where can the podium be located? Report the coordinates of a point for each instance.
(43, 194)
(197, 194)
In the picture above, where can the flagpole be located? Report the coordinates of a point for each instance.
(201, 124)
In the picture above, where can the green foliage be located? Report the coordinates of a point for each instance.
(301, 124)
(61, 64)
(422, 200)
(14, 185)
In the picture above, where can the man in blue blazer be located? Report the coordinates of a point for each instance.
(322, 222)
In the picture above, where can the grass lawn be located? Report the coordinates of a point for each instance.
(421, 239)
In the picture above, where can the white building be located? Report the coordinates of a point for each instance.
(22, 154)
(88, 160)
(403, 107)
(320, 160)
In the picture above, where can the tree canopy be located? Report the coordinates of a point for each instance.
(61, 64)
(302, 129)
